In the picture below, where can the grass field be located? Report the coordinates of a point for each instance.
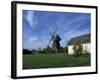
(33, 61)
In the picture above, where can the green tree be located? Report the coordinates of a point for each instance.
(78, 49)
(75, 49)
(66, 50)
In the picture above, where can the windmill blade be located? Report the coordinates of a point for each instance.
(52, 36)
(55, 31)
(50, 41)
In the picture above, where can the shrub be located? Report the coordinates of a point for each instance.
(66, 50)
(75, 49)
(78, 49)
(26, 51)
(86, 52)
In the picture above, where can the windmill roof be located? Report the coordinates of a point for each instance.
(80, 39)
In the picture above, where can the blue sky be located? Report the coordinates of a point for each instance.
(37, 26)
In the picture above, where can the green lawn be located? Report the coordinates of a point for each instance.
(33, 61)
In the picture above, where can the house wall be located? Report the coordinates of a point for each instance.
(86, 47)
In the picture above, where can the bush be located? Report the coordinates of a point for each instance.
(47, 50)
(78, 49)
(86, 52)
(75, 49)
(66, 50)
(26, 51)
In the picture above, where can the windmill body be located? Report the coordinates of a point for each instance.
(56, 43)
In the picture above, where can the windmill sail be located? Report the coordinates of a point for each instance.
(52, 36)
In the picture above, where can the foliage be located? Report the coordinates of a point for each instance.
(78, 49)
(26, 51)
(46, 50)
(75, 49)
(49, 50)
(66, 50)
(86, 52)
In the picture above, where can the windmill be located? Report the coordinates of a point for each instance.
(55, 40)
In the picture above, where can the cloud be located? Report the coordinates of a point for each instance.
(73, 28)
(31, 19)
(72, 23)
(36, 43)
(31, 39)
(71, 34)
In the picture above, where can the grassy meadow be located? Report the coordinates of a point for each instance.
(35, 61)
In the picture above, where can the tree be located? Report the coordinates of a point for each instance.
(78, 49)
(47, 50)
(75, 49)
(86, 52)
(66, 50)
(26, 51)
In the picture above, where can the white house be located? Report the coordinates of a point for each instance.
(84, 40)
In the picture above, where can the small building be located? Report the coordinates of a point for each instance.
(84, 40)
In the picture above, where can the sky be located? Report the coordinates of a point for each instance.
(38, 25)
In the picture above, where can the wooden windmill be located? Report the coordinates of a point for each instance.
(55, 41)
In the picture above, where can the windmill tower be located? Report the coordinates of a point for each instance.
(55, 39)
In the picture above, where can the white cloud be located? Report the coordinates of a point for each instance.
(77, 33)
(76, 22)
(32, 39)
(30, 17)
(35, 43)
(71, 34)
